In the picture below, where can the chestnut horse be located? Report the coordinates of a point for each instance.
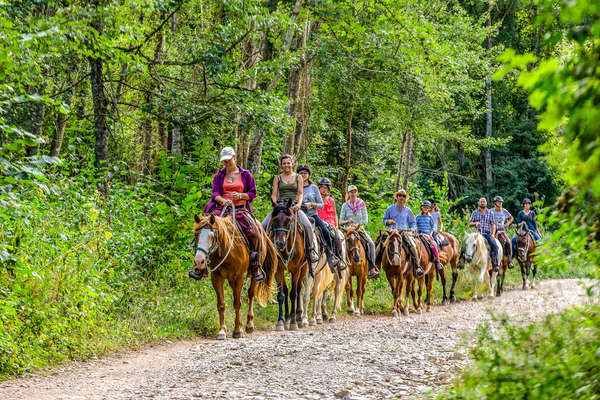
(449, 254)
(358, 267)
(396, 264)
(524, 252)
(219, 249)
(427, 263)
(284, 229)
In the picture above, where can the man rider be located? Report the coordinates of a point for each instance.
(483, 220)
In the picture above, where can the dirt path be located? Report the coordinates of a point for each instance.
(359, 357)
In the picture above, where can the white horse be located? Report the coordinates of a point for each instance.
(318, 285)
(479, 262)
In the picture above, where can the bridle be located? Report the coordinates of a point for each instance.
(287, 238)
(527, 238)
(355, 247)
(394, 253)
(215, 246)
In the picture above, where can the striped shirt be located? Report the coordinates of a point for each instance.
(425, 224)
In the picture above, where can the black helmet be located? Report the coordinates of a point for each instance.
(324, 181)
(432, 201)
(498, 198)
(303, 167)
(526, 200)
(426, 203)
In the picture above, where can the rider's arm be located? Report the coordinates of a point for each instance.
(386, 217)
(335, 217)
(275, 191)
(472, 221)
(440, 224)
(364, 217)
(411, 220)
(319, 199)
(249, 186)
(509, 220)
(300, 191)
(344, 217)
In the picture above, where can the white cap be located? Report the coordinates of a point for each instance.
(227, 153)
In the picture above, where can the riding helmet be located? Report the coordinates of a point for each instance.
(432, 201)
(303, 167)
(526, 200)
(426, 203)
(324, 181)
(498, 198)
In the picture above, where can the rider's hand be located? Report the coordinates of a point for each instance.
(390, 222)
(227, 203)
(477, 224)
(295, 207)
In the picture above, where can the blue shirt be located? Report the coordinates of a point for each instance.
(500, 217)
(435, 215)
(404, 218)
(425, 224)
(311, 194)
(529, 219)
(486, 219)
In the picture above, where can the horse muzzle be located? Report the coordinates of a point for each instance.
(197, 273)
(356, 258)
(468, 258)
(280, 244)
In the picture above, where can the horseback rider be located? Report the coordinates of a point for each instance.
(426, 226)
(289, 186)
(527, 217)
(503, 220)
(235, 186)
(354, 212)
(483, 220)
(311, 202)
(328, 214)
(399, 216)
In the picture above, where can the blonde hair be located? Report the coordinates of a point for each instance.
(348, 195)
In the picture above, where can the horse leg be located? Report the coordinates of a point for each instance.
(533, 272)
(236, 287)
(443, 281)
(418, 308)
(429, 292)
(523, 277)
(350, 296)
(250, 317)
(391, 279)
(336, 298)
(491, 281)
(299, 303)
(307, 286)
(454, 279)
(281, 297)
(218, 282)
(527, 272)
(293, 300)
(426, 284)
(361, 296)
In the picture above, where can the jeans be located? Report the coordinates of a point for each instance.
(493, 248)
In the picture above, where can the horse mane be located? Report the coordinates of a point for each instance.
(223, 226)
(392, 233)
(281, 208)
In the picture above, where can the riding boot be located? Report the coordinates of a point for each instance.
(330, 260)
(509, 256)
(308, 250)
(258, 274)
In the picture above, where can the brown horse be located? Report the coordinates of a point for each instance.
(524, 252)
(427, 263)
(395, 263)
(449, 254)
(220, 250)
(285, 231)
(358, 268)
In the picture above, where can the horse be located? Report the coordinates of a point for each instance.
(427, 263)
(449, 254)
(395, 263)
(289, 245)
(317, 286)
(524, 252)
(219, 249)
(503, 266)
(478, 261)
(358, 267)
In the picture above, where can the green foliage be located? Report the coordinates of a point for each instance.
(555, 359)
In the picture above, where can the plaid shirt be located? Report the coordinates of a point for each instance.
(486, 221)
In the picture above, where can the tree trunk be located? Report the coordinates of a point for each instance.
(488, 126)
(408, 160)
(462, 170)
(176, 142)
(400, 161)
(61, 122)
(37, 110)
(348, 146)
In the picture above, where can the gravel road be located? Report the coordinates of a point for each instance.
(357, 358)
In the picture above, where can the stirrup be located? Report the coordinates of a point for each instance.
(373, 272)
(419, 272)
(258, 274)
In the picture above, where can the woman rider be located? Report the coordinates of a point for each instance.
(328, 214)
(311, 202)
(526, 217)
(233, 185)
(289, 186)
(354, 212)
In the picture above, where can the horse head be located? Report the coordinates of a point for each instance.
(281, 222)
(393, 246)
(205, 239)
(353, 241)
(471, 246)
(522, 244)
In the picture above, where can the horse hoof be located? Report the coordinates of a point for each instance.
(332, 320)
(287, 326)
(249, 329)
(418, 311)
(444, 302)
(221, 336)
(325, 317)
(280, 326)
(395, 314)
(350, 310)
(453, 299)
(357, 313)
(304, 323)
(405, 312)
(428, 309)
(319, 321)
(293, 327)
(237, 335)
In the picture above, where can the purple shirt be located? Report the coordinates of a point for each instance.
(486, 219)
(217, 188)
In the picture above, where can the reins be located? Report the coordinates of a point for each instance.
(287, 239)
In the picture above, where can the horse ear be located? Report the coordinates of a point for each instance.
(196, 218)
(212, 219)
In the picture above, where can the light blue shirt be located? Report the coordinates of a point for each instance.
(404, 218)
(311, 194)
(435, 215)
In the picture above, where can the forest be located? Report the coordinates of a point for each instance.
(112, 114)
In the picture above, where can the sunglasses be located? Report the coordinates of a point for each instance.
(401, 196)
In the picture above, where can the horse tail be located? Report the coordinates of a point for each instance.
(263, 290)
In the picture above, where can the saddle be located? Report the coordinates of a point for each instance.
(410, 247)
(426, 240)
(441, 240)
